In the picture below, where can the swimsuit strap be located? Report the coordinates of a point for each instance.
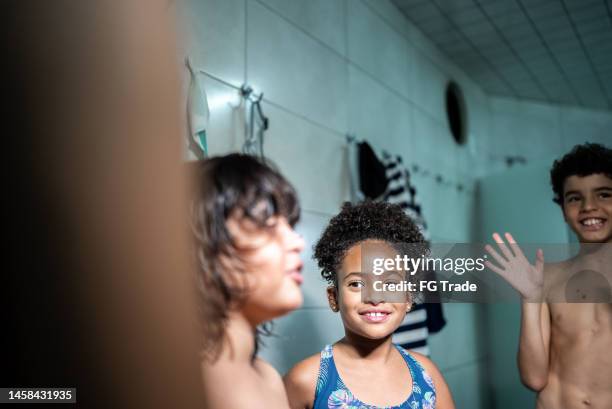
(324, 368)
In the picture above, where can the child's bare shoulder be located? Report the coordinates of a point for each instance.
(302, 378)
(557, 266)
(430, 367)
(444, 398)
(304, 372)
(425, 362)
(268, 373)
(256, 379)
(555, 275)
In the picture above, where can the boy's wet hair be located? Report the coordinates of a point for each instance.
(364, 221)
(234, 185)
(583, 160)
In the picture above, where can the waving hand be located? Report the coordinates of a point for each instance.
(513, 266)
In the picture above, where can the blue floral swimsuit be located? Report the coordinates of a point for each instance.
(332, 393)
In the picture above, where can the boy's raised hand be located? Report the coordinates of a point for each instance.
(514, 267)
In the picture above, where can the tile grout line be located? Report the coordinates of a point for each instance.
(351, 62)
(422, 51)
(549, 51)
(512, 49)
(587, 54)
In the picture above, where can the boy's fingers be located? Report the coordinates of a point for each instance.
(502, 246)
(496, 269)
(496, 255)
(514, 246)
(539, 264)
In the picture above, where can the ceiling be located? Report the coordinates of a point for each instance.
(556, 51)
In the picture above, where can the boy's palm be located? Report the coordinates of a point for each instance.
(514, 267)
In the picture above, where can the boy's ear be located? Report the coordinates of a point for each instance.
(332, 298)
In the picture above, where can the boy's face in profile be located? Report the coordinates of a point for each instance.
(587, 207)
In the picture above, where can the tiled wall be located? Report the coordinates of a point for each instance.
(540, 131)
(332, 67)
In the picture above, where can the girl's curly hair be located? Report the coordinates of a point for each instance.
(364, 221)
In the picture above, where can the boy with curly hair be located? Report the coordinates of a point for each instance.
(564, 348)
(365, 365)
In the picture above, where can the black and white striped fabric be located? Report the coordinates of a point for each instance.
(412, 334)
(402, 192)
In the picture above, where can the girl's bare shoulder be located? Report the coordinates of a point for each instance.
(304, 372)
(301, 381)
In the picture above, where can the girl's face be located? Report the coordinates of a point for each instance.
(271, 267)
(363, 313)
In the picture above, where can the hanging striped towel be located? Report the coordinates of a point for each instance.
(412, 334)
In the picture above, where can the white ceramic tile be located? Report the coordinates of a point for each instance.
(507, 392)
(422, 43)
(442, 211)
(424, 194)
(529, 129)
(465, 159)
(378, 115)
(430, 89)
(460, 211)
(311, 227)
(431, 137)
(504, 125)
(581, 125)
(299, 335)
(436, 214)
(379, 49)
(216, 37)
(426, 48)
(295, 71)
(312, 158)
(464, 332)
(323, 19)
(539, 134)
(390, 13)
(504, 104)
(478, 120)
(468, 385)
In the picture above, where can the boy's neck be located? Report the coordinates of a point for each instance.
(594, 249)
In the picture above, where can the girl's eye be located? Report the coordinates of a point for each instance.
(605, 195)
(356, 284)
(396, 282)
(572, 199)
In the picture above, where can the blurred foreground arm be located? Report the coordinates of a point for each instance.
(98, 275)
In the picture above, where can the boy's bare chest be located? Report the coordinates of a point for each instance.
(573, 322)
(580, 282)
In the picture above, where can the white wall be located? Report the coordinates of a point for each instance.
(329, 67)
(542, 132)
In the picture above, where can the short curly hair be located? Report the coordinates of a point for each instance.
(364, 221)
(583, 160)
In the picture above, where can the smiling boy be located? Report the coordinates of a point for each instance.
(564, 348)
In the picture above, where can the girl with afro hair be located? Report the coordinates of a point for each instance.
(365, 369)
